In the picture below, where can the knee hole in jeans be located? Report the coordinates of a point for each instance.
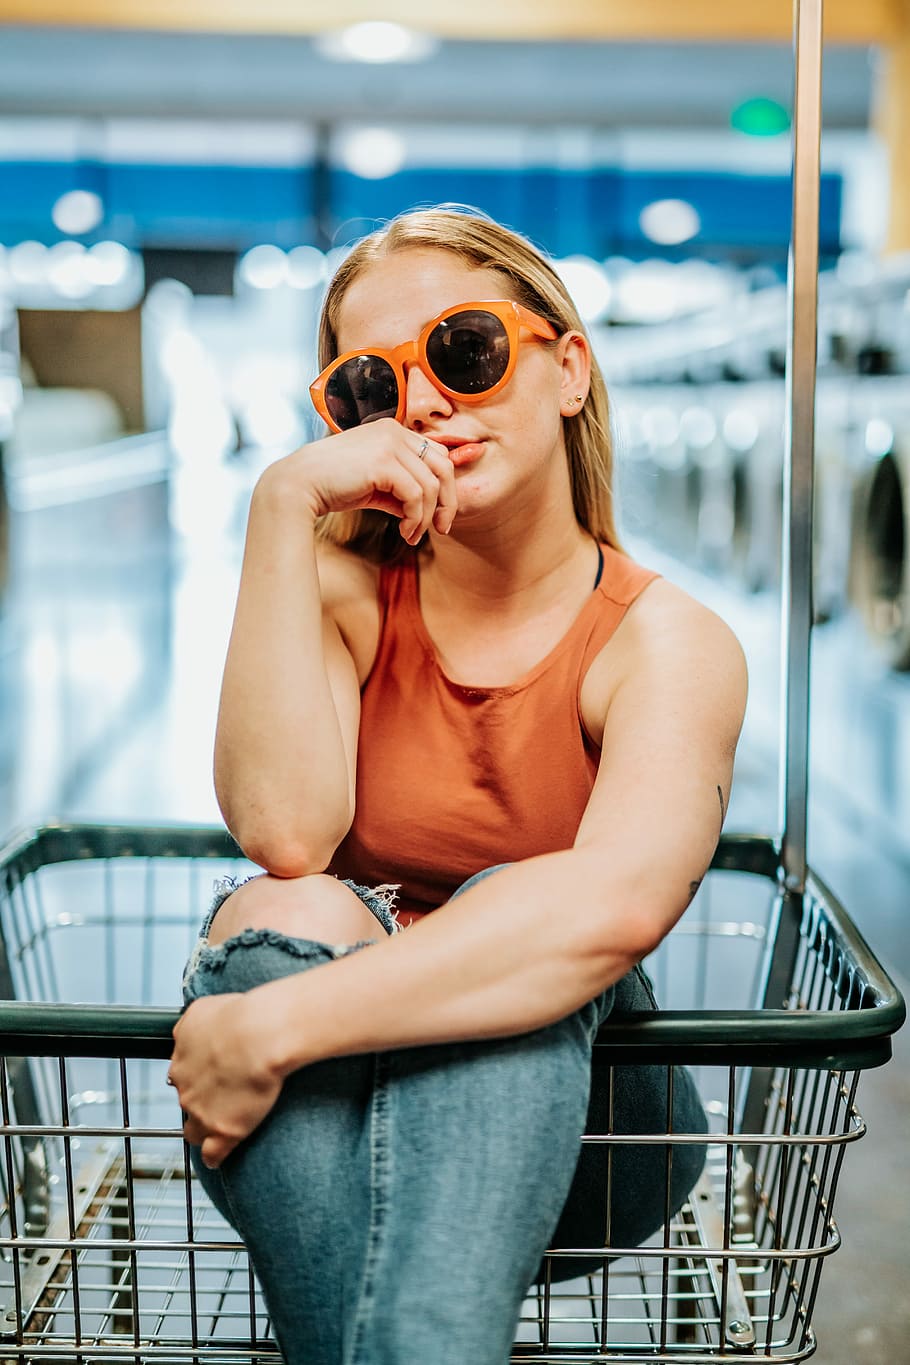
(318, 907)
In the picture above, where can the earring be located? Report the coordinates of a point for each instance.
(579, 398)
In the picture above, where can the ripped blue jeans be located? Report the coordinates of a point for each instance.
(396, 1206)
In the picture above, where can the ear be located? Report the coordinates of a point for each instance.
(575, 358)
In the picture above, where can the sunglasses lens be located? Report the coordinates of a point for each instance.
(363, 389)
(469, 352)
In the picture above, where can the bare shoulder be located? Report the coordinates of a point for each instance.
(669, 642)
(666, 616)
(349, 587)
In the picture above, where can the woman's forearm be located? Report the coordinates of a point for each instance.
(282, 775)
(516, 952)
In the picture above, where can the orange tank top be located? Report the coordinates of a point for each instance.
(452, 779)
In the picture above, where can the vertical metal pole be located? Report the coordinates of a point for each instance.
(796, 566)
(323, 225)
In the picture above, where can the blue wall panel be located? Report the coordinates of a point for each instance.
(566, 211)
(212, 205)
(735, 210)
(28, 192)
(496, 192)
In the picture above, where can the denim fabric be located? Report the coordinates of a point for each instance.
(396, 1206)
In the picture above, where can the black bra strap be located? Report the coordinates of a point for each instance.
(600, 567)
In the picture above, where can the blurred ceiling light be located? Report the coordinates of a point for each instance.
(77, 212)
(879, 437)
(66, 271)
(669, 222)
(703, 286)
(648, 293)
(263, 267)
(376, 41)
(306, 267)
(697, 428)
(740, 429)
(372, 153)
(27, 262)
(107, 263)
(168, 304)
(588, 285)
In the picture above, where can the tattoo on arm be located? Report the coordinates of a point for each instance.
(693, 886)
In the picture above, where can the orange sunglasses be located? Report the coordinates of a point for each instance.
(468, 352)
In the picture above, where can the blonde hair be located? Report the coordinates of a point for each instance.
(528, 278)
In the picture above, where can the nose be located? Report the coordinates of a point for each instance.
(424, 403)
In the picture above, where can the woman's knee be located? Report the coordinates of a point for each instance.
(318, 907)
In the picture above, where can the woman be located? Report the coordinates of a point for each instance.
(443, 662)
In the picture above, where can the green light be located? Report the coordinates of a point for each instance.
(760, 118)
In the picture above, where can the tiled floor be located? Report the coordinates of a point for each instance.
(111, 647)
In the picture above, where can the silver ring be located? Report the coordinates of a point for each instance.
(170, 1080)
(421, 454)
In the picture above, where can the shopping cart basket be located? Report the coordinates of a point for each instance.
(110, 1249)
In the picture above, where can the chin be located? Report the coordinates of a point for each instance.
(476, 495)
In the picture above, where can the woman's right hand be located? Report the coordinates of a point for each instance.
(378, 466)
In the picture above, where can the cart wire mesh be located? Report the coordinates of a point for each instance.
(109, 1249)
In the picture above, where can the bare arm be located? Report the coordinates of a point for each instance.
(284, 771)
(286, 739)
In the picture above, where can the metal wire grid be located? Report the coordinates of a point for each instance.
(110, 1249)
(736, 1273)
(109, 930)
(131, 1268)
(135, 1264)
(117, 930)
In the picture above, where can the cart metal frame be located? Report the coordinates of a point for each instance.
(110, 1251)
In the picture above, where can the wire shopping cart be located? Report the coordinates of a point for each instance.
(109, 1249)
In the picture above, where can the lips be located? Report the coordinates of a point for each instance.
(462, 452)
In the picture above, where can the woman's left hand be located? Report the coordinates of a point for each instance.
(224, 1086)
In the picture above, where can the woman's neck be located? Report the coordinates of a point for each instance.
(508, 574)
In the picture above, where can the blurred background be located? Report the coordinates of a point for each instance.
(172, 202)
